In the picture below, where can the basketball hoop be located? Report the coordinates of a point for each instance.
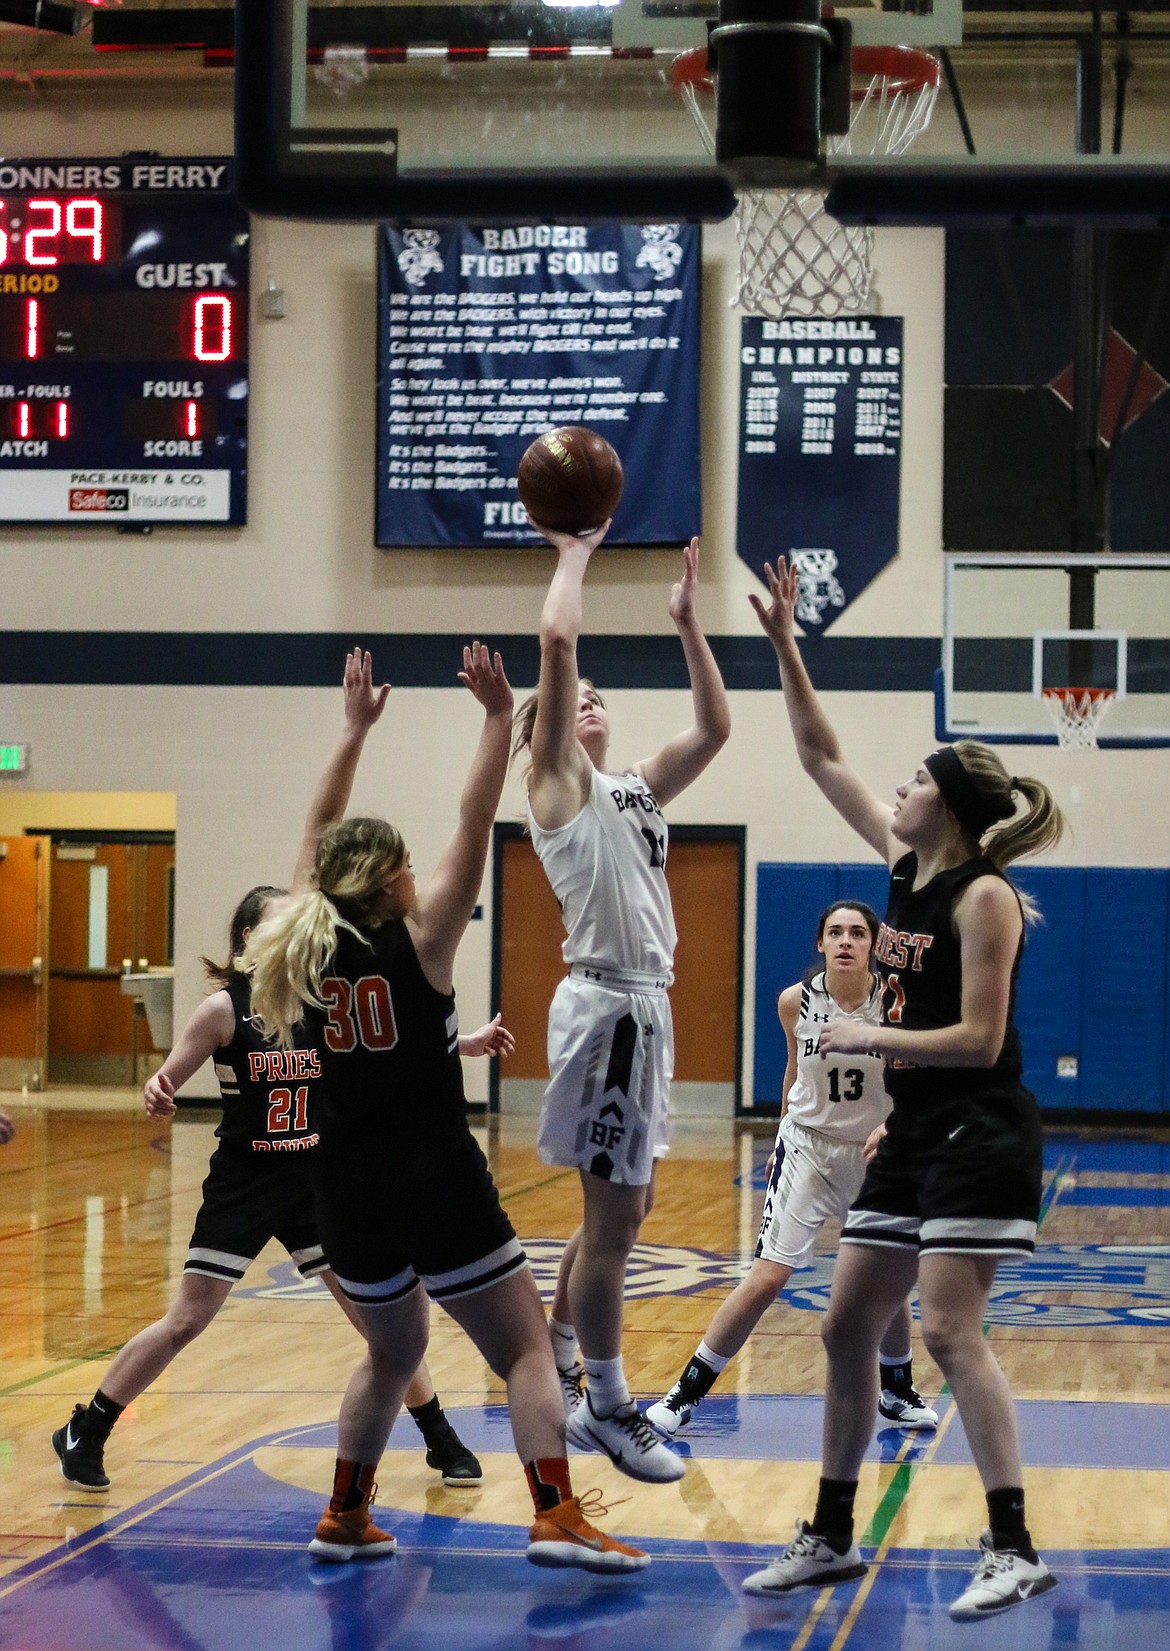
(1077, 714)
(794, 259)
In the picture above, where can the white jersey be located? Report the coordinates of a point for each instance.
(607, 868)
(839, 1095)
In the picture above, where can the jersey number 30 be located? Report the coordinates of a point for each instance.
(358, 1010)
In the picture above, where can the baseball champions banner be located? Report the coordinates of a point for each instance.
(489, 336)
(820, 446)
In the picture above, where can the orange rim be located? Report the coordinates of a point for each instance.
(905, 67)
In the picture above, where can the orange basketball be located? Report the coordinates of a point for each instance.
(570, 479)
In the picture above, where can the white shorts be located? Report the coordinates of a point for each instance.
(611, 1059)
(816, 1181)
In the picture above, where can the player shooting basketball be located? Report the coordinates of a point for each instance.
(602, 841)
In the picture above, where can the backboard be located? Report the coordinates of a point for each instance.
(544, 109)
(1017, 625)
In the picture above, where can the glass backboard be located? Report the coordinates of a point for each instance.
(565, 110)
(1016, 626)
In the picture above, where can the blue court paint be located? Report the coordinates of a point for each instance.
(219, 1562)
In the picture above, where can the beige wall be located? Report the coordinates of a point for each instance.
(240, 763)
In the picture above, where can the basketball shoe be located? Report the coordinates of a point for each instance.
(572, 1380)
(672, 1413)
(447, 1452)
(347, 1534)
(807, 1561)
(907, 1408)
(80, 1453)
(563, 1536)
(1002, 1578)
(627, 1438)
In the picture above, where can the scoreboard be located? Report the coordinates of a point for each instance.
(123, 341)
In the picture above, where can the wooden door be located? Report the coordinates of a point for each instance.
(92, 933)
(24, 897)
(704, 871)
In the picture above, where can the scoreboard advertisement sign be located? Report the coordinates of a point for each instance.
(487, 337)
(820, 443)
(123, 341)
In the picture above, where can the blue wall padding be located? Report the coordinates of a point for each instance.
(1051, 988)
(1094, 984)
(1124, 1001)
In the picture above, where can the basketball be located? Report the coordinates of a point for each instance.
(570, 479)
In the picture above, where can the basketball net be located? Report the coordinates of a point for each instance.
(794, 259)
(1077, 714)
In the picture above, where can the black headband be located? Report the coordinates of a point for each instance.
(974, 810)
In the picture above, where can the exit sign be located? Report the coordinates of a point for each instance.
(13, 759)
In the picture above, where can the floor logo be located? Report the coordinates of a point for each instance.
(1067, 1285)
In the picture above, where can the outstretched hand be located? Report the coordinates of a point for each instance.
(364, 703)
(779, 617)
(682, 595)
(159, 1095)
(588, 539)
(492, 1039)
(483, 673)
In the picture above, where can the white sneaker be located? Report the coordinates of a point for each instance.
(669, 1415)
(1002, 1579)
(627, 1439)
(572, 1383)
(807, 1561)
(909, 1410)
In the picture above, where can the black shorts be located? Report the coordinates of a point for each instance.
(394, 1213)
(961, 1177)
(249, 1198)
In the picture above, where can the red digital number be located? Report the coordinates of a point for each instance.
(48, 231)
(212, 340)
(32, 329)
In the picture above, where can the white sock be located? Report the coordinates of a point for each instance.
(709, 1356)
(607, 1384)
(564, 1344)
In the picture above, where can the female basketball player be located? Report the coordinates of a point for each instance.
(955, 1184)
(602, 841)
(258, 1184)
(404, 1194)
(830, 1108)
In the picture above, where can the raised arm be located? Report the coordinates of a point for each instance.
(561, 771)
(445, 905)
(209, 1029)
(363, 706)
(989, 923)
(684, 757)
(817, 745)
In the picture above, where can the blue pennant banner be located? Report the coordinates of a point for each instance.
(820, 441)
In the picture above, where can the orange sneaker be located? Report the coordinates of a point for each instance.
(350, 1535)
(564, 1536)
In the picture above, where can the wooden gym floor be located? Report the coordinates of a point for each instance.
(220, 1470)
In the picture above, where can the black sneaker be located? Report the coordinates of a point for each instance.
(80, 1453)
(447, 1452)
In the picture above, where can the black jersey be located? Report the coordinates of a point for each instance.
(268, 1094)
(388, 1043)
(918, 957)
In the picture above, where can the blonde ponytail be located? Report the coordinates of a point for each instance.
(1038, 828)
(286, 957)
